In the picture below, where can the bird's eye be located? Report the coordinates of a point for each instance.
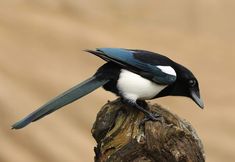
(192, 82)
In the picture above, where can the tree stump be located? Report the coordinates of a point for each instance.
(121, 137)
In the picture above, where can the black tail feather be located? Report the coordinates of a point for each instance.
(65, 98)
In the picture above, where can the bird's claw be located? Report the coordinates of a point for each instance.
(151, 117)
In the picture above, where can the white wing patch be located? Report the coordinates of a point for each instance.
(167, 70)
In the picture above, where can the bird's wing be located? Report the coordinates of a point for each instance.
(126, 59)
(65, 98)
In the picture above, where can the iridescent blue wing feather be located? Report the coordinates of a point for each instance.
(127, 59)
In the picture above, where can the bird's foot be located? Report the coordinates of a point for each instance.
(151, 117)
(143, 107)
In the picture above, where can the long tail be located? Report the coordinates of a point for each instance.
(65, 98)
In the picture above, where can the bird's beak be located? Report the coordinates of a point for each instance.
(196, 98)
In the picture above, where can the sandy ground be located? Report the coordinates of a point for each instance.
(41, 43)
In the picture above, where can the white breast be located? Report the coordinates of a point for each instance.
(133, 86)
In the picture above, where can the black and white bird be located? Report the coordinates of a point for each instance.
(134, 75)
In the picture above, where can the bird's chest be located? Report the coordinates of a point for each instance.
(134, 86)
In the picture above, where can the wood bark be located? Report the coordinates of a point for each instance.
(122, 137)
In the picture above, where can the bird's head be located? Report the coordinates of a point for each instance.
(186, 85)
(191, 89)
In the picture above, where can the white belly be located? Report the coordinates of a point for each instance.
(133, 86)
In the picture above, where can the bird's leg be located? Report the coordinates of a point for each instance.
(143, 104)
(148, 114)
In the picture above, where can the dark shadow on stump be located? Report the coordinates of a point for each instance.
(121, 138)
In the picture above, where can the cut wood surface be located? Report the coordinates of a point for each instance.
(122, 136)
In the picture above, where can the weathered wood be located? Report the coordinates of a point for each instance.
(121, 137)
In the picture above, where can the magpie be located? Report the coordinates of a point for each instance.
(134, 75)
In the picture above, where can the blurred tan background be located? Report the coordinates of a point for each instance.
(41, 43)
